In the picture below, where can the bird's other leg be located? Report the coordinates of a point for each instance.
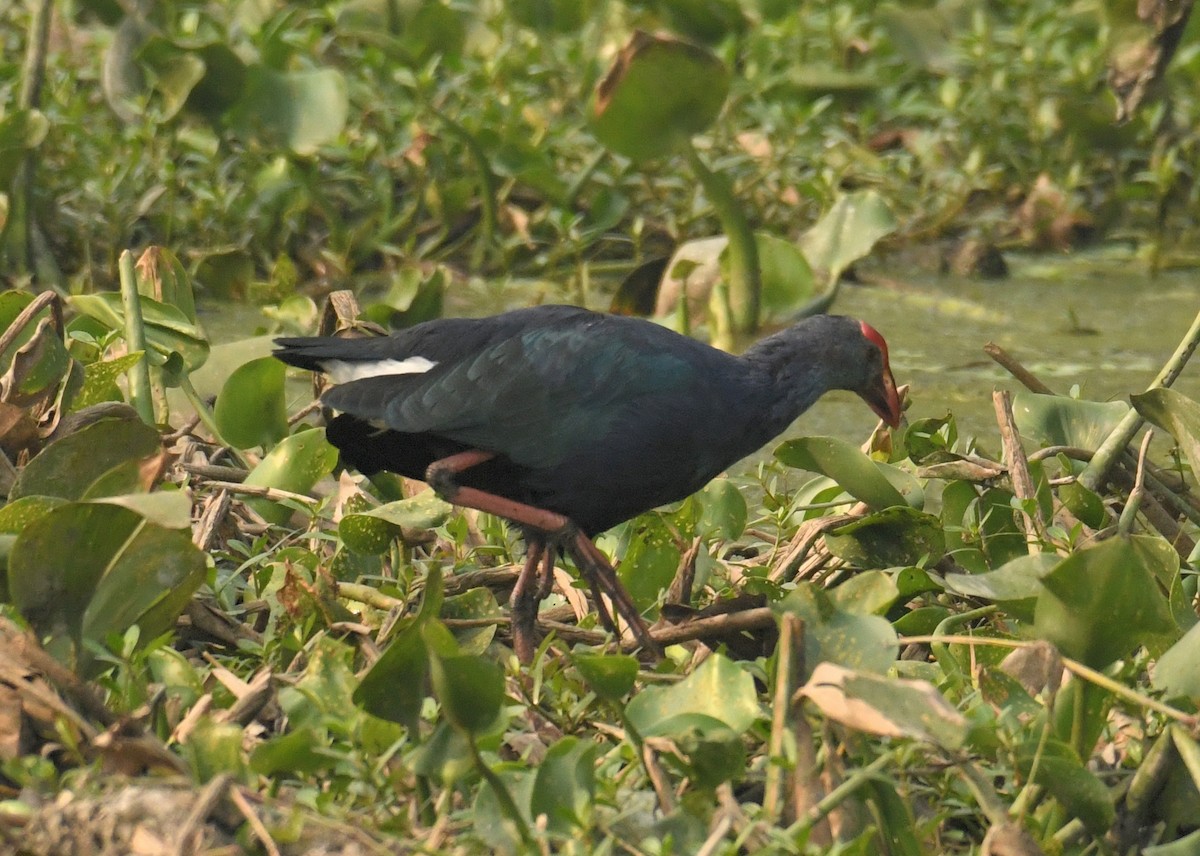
(524, 600)
(547, 582)
(559, 530)
(595, 566)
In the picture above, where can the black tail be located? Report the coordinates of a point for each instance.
(309, 352)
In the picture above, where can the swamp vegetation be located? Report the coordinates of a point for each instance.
(973, 634)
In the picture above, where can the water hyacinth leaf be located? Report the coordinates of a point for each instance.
(301, 109)
(70, 466)
(171, 73)
(100, 380)
(445, 756)
(722, 510)
(863, 478)
(847, 232)
(1101, 602)
(367, 536)
(565, 785)
(162, 277)
(787, 279)
(394, 688)
(251, 410)
(1084, 504)
(295, 465)
(1053, 420)
(719, 690)
(40, 363)
(651, 560)
(859, 642)
(889, 707)
(84, 570)
(424, 510)
(213, 748)
(1059, 770)
(869, 593)
(171, 509)
(610, 676)
(1176, 414)
(1176, 673)
(297, 751)
(551, 16)
(659, 92)
(168, 331)
(478, 603)
(714, 755)
(221, 85)
(1015, 584)
(888, 538)
(709, 21)
(470, 689)
(921, 621)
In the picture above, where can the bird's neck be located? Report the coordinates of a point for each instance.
(790, 375)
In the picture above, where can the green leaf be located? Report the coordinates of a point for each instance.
(787, 280)
(1177, 414)
(891, 707)
(394, 688)
(295, 465)
(301, 109)
(20, 131)
(100, 380)
(651, 560)
(70, 466)
(1060, 771)
(1015, 584)
(1103, 601)
(565, 786)
(1176, 673)
(215, 747)
(476, 603)
(718, 690)
(1053, 420)
(889, 538)
(85, 570)
(470, 689)
(713, 755)
(251, 409)
(611, 676)
(297, 752)
(868, 593)
(847, 232)
(372, 531)
(722, 510)
(659, 92)
(168, 330)
(878, 485)
(859, 642)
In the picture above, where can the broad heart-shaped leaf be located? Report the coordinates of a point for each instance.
(395, 687)
(168, 330)
(470, 689)
(659, 92)
(847, 232)
(85, 570)
(251, 410)
(1176, 673)
(1016, 584)
(722, 509)
(1177, 414)
(890, 707)
(719, 690)
(878, 485)
(787, 279)
(611, 676)
(301, 109)
(1103, 601)
(1060, 771)
(650, 562)
(1053, 420)
(371, 531)
(889, 538)
(859, 642)
(70, 466)
(565, 785)
(294, 465)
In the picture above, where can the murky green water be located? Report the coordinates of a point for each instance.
(1108, 332)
